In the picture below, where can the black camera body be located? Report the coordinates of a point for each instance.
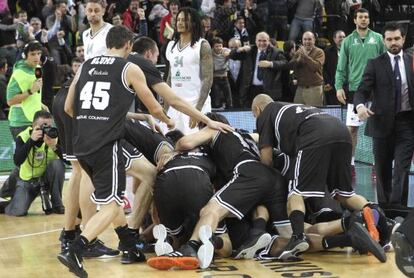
(50, 131)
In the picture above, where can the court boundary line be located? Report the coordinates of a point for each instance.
(29, 235)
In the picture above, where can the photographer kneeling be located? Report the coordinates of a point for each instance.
(41, 169)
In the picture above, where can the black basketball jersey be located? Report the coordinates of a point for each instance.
(228, 149)
(102, 101)
(62, 120)
(198, 158)
(145, 139)
(289, 127)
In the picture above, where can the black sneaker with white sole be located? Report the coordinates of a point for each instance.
(363, 242)
(296, 245)
(254, 243)
(73, 260)
(97, 249)
(131, 256)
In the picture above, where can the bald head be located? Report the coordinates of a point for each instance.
(259, 104)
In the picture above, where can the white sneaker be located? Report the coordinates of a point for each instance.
(206, 251)
(161, 246)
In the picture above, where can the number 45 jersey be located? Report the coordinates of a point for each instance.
(102, 100)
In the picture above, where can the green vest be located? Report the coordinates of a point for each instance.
(33, 103)
(35, 164)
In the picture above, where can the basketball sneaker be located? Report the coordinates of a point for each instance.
(96, 249)
(133, 255)
(185, 258)
(297, 245)
(364, 243)
(254, 243)
(72, 259)
(162, 247)
(205, 253)
(371, 218)
(404, 254)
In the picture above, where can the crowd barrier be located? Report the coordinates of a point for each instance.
(238, 119)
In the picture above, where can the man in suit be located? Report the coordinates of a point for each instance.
(329, 68)
(261, 69)
(387, 81)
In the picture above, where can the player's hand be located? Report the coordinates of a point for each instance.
(37, 134)
(340, 95)
(220, 126)
(193, 123)
(327, 87)
(141, 14)
(364, 113)
(152, 123)
(51, 142)
(170, 124)
(36, 85)
(164, 158)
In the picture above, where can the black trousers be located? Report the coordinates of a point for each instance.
(398, 147)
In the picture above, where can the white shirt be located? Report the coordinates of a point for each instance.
(95, 45)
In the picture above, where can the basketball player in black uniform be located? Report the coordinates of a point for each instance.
(98, 100)
(249, 183)
(321, 147)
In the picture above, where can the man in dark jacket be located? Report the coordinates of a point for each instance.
(261, 70)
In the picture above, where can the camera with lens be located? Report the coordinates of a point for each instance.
(50, 131)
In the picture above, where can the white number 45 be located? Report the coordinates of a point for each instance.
(98, 96)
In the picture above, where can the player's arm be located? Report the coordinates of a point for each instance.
(266, 155)
(135, 77)
(199, 138)
(255, 136)
(183, 106)
(206, 67)
(70, 99)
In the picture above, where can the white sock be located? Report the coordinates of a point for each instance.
(353, 161)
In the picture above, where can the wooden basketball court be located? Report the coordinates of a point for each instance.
(29, 245)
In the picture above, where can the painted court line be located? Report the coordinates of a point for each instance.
(27, 235)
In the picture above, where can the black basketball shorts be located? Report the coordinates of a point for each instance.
(130, 153)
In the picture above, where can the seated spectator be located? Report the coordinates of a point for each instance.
(221, 92)
(117, 20)
(41, 171)
(3, 88)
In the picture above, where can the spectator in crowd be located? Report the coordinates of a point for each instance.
(277, 26)
(220, 92)
(329, 68)
(41, 170)
(208, 7)
(308, 63)
(22, 34)
(117, 20)
(387, 82)
(80, 52)
(251, 19)
(168, 22)
(224, 16)
(3, 88)
(356, 49)
(208, 33)
(36, 32)
(262, 12)
(134, 19)
(303, 20)
(234, 70)
(157, 13)
(8, 45)
(288, 75)
(261, 71)
(24, 89)
(240, 32)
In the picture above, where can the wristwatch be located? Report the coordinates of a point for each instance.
(29, 92)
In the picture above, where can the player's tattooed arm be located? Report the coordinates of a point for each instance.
(206, 65)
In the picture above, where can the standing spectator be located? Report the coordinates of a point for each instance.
(41, 171)
(261, 71)
(288, 75)
(303, 20)
(308, 63)
(22, 31)
(224, 15)
(208, 33)
(208, 7)
(277, 26)
(117, 20)
(240, 32)
(251, 19)
(8, 48)
(157, 13)
(168, 22)
(3, 88)
(387, 81)
(356, 49)
(134, 19)
(234, 70)
(221, 90)
(36, 32)
(329, 68)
